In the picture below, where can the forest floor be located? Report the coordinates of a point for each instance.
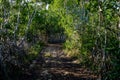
(56, 66)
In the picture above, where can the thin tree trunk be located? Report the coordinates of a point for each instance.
(99, 37)
(28, 26)
(16, 27)
(119, 29)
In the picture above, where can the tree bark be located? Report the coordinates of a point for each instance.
(16, 27)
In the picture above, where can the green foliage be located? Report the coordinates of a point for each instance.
(103, 22)
(34, 50)
(66, 21)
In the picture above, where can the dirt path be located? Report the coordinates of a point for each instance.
(56, 66)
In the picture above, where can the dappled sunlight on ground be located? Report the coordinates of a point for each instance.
(58, 67)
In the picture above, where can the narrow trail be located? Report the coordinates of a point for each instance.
(56, 66)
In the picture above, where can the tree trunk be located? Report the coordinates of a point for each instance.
(16, 27)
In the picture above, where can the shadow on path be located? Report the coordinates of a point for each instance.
(59, 67)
